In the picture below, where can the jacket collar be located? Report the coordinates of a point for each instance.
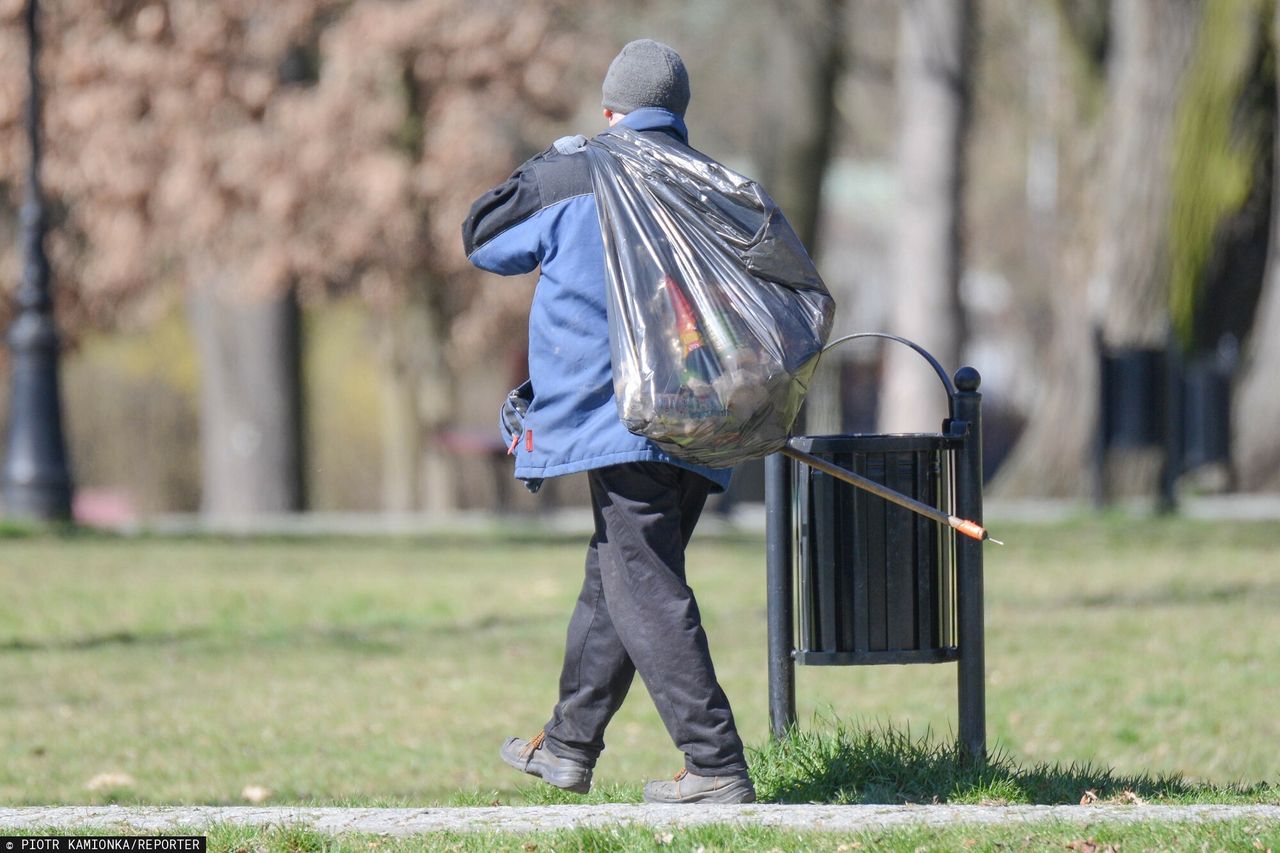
(656, 118)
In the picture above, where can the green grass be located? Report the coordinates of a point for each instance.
(1048, 835)
(832, 762)
(1239, 835)
(386, 672)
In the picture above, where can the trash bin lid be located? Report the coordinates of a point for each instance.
(906, 442)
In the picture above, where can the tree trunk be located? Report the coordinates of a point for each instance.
(1152, 44)
(806, 62)
(437, 402)
(1052, 452)
(251, 424)
(420, 405)
(401, 430)
(935, 47)
(1124, 288)
(1257, 403)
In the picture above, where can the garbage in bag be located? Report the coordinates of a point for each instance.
(717, 315)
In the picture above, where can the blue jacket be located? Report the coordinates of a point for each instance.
(545, 215)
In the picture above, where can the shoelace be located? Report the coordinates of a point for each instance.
(534, 744)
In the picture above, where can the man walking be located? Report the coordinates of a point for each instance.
(636, 612)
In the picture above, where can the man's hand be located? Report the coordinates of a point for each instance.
(570, 144)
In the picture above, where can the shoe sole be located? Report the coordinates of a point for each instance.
(737, 792)
(566, 779)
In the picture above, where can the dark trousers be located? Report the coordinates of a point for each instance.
(637, 613)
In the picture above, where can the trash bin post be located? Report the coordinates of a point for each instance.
(1171, 466)
(1099, 438)
(778, 585)
(971, 668)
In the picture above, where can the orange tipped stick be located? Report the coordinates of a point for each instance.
(972, 529)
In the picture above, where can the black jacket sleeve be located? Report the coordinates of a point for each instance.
(501, 208)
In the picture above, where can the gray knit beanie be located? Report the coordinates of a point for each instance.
(646, 73)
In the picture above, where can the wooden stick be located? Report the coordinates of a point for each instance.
(969, 528)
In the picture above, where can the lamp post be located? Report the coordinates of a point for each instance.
(36, 481)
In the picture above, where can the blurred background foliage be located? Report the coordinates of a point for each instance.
(255, 213)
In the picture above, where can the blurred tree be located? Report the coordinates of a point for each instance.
(264, 153)
(1152, 47)
(1257, 408)
(1182, 184)
(1089, 24)
(806, 58)
(935, 58)
(426, 105)
(1152, 44)
(1221, 194)
(1052, 455)
(806, 55)
(1124, 290)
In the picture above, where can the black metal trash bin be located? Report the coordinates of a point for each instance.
(1159, 399)
(1206, 411)
(876, 582)
(1134, 389)
(870, 582)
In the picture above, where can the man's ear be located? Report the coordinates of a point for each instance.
(608, 115)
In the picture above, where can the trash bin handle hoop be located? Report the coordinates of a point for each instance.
(933, 362)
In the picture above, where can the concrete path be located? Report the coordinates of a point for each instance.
(538, 818)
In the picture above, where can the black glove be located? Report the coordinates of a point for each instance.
(511, 423)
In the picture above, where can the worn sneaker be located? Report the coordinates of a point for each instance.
(532, 757)
(690, 788)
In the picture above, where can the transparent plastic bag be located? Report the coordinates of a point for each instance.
(717, 315)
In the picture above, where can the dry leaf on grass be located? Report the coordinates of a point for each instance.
(1088, 845)
(255, 794)
(107, 781)
(1131, 798)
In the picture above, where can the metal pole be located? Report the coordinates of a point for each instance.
(1100, 423)
(1171, 465)
(36, 480)
(971, 669)
(778, 586)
